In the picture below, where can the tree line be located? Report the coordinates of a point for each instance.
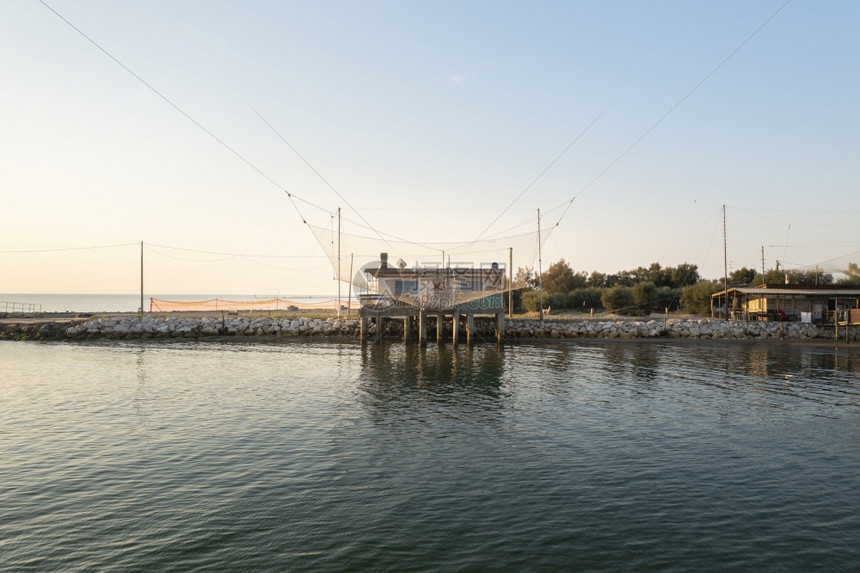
(643, 290)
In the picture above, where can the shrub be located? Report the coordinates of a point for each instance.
(531, 301)
(618, 299)
(696, 299)
(585, 299)
(644, 297)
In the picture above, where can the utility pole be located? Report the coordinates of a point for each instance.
(540, 270)
(141, 277)
(510, 282)
(338, 262)
(725, 263)
(762, 263)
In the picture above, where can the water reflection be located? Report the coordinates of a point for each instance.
(397, 377)
(141, 394)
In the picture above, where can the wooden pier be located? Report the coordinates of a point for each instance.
(462, 322)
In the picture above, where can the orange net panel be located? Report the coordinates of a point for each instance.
(219, 304)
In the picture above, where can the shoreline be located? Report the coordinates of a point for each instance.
(203, 325)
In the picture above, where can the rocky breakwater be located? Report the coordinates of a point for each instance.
(154, 327)
(671, 328)
(150, 327)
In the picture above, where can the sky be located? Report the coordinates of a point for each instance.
(212, 132)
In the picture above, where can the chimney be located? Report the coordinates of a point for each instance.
(383, 259)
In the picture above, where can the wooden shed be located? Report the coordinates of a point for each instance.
(787, 302)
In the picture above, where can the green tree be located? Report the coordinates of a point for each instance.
(696, 299)
(852, 275)
(667, 298)
(585, 299)
(525, 280)
(531, 301)
(644, 296)
(796, 277)
(560, 278)
(596, 280)
(619, 299)
(742, 276)
(683, 275)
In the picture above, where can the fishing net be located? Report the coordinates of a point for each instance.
(385, 272)
(219, 304)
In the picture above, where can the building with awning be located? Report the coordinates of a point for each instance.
(789, 302)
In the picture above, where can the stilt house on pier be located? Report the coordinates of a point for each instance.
(418, 292)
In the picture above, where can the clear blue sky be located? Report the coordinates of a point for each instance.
(428, 118)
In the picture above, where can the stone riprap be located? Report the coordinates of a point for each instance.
(153, 327)
(671, 328)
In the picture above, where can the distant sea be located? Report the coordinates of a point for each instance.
(29, 302)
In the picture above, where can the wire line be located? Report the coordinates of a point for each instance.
(179, 109)
(673, 108)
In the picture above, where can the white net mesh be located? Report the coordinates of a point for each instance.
(437, 276)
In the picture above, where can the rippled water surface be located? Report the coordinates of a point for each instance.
(689, 455)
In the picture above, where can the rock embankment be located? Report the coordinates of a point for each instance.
(148, 327)
(152, 327)
(670, 328)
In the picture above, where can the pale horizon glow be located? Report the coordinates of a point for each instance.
(422, 121)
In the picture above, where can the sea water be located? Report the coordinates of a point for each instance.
(327, 456)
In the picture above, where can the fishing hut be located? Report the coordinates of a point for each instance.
(817, 304)
(415, 294)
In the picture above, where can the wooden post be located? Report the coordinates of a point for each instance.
(379, 328)
(456, 323)
(500, 327)
(407, 328)
(362, 329)
(440, 323)
(422, 327)
(470, 327)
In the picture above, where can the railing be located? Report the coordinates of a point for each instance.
(20, 307)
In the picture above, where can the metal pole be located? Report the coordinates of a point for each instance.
(141, 277)
(349, 296)
(540, 270)
(725, 263)
(511, 282)
(338, 262)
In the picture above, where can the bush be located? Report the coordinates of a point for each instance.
(696, 299)
(585, 299)
(667, 297)
(644, 297)
(531, 301)
(618, 299)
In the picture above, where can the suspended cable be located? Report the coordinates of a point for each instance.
(674, 107)
(246, 255)
(318, 174)
(180, 110)
(71, 249)
(541, 174)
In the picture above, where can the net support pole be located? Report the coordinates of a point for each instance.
(511, 282)
(349, 290)
(338, 262)
(141, 277)
(540, 271)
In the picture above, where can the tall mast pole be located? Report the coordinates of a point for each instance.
(725, 264)
(510, 282)
(540, 269)
(338, 262)
(141, 277)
